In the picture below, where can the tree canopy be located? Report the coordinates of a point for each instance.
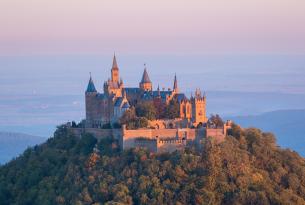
(247, 168)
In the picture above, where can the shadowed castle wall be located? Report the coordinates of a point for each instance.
(156, 140)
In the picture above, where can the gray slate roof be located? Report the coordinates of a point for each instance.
(90, 87)
(145, 77)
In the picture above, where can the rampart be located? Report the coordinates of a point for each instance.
(156, 140)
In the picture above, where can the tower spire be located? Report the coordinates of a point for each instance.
(90, 87)
(114, 62)
(145, 77)
(175, 88)
(115, 70)
(145, 83)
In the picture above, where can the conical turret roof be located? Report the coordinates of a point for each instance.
(175, 83)
(114, 63)
(90, 87)
(145, 77)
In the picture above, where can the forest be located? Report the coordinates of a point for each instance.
(247, 168)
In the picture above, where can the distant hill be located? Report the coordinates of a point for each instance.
(14, 144)
(287, 125)
(247, 168)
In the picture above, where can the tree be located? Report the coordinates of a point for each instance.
(86, 144)
(146, 109)
(129, 115)
(216, 121)
(172, 110)
(132, 121)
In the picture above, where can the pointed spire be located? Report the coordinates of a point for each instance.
(114, 63)
(175, 84)
(90, 87)
(159, 93)
(145, 77)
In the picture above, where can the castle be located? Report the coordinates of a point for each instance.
(104, 111)
(109, 106)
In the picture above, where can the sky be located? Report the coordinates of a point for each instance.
(52, 27)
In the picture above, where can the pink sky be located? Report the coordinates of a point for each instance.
(154, 26)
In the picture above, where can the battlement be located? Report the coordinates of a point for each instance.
(156, 140)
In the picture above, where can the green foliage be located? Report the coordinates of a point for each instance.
(216, 121)
(131, 120)
(86, 144)
(146, 109)
(172, 110)
(247, 168)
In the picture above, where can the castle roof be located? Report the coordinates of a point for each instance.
(90, 87)
(132, 90)
(181, 96)
(114, 63)
(162, 93)
(145, 77)
(175, 83)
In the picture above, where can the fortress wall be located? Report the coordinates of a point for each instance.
(129, 138)
(151, 145)
(160, 133)
(170, 145)
(147, 133)
(164, 133)
(217, 134)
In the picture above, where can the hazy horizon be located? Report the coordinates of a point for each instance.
(40, 92)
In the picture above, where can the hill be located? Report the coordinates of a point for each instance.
(288, 126)
(247, 168)
(14, 144)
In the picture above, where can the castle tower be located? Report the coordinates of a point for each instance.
(198, 108)
(175, 88)
(114, 85)
(91, 105)
(185, 109)
(145, 83)
(115, 71)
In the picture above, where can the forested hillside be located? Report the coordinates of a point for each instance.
(248, 168)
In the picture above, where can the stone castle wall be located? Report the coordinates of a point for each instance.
(170, 145)
(156, 140)
(217, 133)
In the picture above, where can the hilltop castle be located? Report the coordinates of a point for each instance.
(105, 110)
(109, 106)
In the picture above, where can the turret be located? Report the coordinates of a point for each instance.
(115, 71)
(175, 88)
(198, 108)
(145, 83)
(90, 101)
(91, 87)
(114, 85)
(159, 93)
